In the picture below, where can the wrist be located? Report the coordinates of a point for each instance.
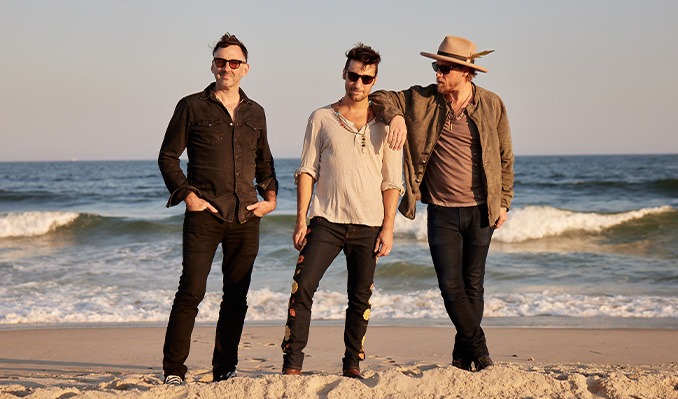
(191, 198)
(387, 229)
(270, 196)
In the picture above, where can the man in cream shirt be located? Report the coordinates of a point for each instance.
(358, 180)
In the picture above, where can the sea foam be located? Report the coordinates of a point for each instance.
(28, 224)
(107, 305)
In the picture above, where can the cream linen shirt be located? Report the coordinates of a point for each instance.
(350, 173)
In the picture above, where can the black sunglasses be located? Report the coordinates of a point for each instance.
(220, 63)
(353, 77)
(444, 69)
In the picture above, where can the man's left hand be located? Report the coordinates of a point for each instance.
(384, 243)
(503, 216)
(262, 208)
(397, 133)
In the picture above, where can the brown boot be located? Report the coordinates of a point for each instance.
(353, 372)
(291, 371)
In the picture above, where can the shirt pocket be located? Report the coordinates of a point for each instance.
(251, 133)
(210, 131)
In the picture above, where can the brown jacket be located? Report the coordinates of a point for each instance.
(425, 111)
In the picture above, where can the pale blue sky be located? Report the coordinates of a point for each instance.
(99, 80)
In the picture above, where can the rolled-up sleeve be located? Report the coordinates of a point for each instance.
(310, 155)
(392, 170)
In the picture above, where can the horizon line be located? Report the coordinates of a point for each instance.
(75, 159)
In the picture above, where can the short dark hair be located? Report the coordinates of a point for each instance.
(229, 40)
(365, 54)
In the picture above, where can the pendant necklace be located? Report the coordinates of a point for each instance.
(344, 123)
(457, 116)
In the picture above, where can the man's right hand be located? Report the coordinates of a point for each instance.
(197, 204)
(397, 133)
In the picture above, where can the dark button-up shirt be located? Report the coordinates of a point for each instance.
(225, 156)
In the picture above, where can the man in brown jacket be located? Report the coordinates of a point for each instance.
(458, 160)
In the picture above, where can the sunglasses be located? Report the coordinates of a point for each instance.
(444, 69)
(220, 63)
(353, 77)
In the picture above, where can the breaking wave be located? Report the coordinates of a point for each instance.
(29, 224)
(538, 222)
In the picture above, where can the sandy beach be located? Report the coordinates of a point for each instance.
(402, 362)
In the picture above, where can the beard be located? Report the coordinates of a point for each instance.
(443, 88)
(356, 96)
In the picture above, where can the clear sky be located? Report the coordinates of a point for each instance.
(91, 79)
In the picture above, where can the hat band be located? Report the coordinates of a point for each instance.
(458, 57)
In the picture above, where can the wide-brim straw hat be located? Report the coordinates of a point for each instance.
(460, 51)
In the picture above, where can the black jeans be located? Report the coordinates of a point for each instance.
(459, 240)
(202, 235)
(324, 241)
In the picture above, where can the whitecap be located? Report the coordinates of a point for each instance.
(28, 224)
(536, 222)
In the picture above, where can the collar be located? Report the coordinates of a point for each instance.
(208, 94)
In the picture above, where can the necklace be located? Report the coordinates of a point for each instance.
(344, 123)
(457, 116)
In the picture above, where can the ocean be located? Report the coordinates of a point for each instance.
(590, 241)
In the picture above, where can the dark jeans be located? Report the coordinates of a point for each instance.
(459, 239)
(240, 243)
(324, 241)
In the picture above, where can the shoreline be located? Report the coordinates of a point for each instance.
(108, 362)
(532, 322)
(402, 343)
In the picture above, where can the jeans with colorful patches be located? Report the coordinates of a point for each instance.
(203, 232)
(324, 242)
(459, 240)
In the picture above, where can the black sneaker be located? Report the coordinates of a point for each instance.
(225, 376)
(483, 363)
(461, 363)
(173, 380)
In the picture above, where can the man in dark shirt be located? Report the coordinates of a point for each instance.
(224, 135)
